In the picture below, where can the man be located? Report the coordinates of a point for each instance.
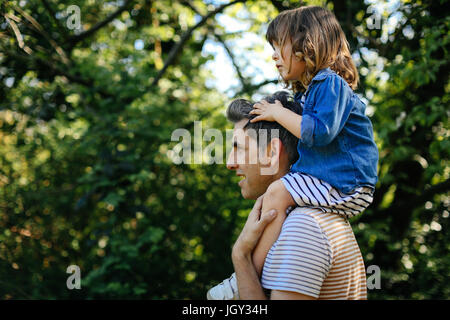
(316, 255)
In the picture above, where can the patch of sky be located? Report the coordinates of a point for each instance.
(254, 64)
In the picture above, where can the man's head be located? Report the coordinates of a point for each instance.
(262, 151)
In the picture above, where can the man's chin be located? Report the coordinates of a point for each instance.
(248, 195)
(245, 196)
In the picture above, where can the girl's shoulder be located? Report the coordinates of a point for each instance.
(327, 81)
(323, 74)
(328, 77)
(327, 87)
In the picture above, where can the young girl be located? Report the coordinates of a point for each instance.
(336, 169)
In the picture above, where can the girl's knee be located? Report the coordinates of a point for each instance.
(277, 192)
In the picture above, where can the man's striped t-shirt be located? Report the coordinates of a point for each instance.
(316, 254)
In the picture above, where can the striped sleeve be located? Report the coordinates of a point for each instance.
(300, 259)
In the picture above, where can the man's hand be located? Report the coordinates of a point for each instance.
(246, 275)
(248, 281)
(253, 229)
(266, 111)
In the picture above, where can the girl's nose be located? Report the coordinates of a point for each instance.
(275, 56)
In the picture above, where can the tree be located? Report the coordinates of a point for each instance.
(86, 174)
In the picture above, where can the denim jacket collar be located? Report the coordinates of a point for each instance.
(322, 74)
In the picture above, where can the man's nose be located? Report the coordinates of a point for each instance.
(232, 161)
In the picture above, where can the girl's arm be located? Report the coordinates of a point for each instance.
(276, 112)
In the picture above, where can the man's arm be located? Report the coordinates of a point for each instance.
(247, 278)
(246, 275)
(249, 285)
(289, 295)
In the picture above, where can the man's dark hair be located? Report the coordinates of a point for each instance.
(239, 109)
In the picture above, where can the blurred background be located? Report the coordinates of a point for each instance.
(91, 91)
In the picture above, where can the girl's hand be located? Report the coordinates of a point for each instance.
(266, 111)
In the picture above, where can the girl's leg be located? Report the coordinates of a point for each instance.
(276, 197)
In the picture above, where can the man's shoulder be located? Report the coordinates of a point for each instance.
(302, 225)
(313, 250)
(325, 223)
(318, 215)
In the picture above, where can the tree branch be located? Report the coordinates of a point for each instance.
(77, 38)
(185, 37)
(52, 14)
(36, 25)
(254, 87)
(244, 81)
(191, 6)
(281, 5)
(50, 65)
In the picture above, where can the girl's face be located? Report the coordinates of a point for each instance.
(289, 66)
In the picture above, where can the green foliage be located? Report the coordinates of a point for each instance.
(86, 176)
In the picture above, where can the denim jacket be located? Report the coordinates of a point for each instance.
(336, 143)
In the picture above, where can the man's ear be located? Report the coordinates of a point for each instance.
(273, 154)
(275, 148)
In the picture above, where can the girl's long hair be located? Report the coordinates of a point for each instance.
(318, 39)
